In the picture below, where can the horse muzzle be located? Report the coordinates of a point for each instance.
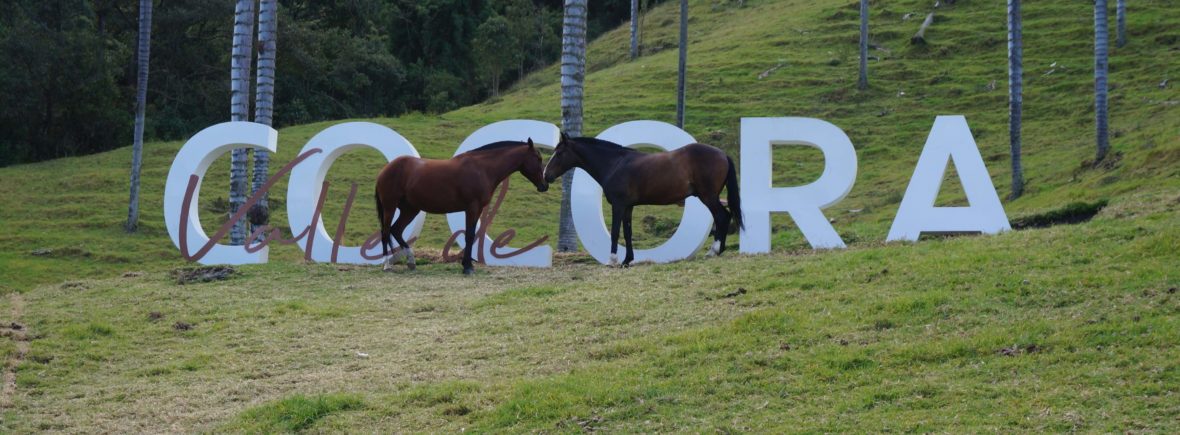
(543, 187)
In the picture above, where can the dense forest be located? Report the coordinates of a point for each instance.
(68, 77)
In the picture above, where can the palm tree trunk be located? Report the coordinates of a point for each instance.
(264, 100)
(863, 83)
(1101, 42)
(1015, 92)
(683, 62)
(145, 39)
(634, 29)
(240, 65)
(1122, 23)
(573, 74)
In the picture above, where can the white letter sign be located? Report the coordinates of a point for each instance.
(804, 203)
(544, 135)
(586, 199)
(307, 179)
(184, 182)
(950, 140)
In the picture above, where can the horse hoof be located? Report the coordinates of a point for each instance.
(626, 265)
(469, 271)
(411, 266)
(395, 257)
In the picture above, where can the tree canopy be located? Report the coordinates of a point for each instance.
(69, 76)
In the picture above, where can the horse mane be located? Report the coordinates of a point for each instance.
(604, 144)
(498, 145)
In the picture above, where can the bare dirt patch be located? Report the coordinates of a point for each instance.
(18, 334)
(202, 274)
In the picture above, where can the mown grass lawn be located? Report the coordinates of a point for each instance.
(1058, 329)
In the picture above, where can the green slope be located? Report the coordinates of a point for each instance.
(74, 206)
(876, 337)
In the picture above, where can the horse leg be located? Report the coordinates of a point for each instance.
(720, 224)
(627, 235)
(469, 236)
(382, 223)
(616, 218)
(385, 212)
(388, 209)
(404, 250)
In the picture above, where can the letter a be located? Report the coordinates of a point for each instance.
(950, 141)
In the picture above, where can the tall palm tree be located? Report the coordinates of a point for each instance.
(1015, 92)
(240, 64)
(264, 99)
(1101, 42)
(573, 74)
(634, 29)
(683, 62)
(144, 52)
(1121, 9)
(863, 83)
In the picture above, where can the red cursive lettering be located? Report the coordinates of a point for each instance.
(274, 235)
(502, 240)
(193, 180)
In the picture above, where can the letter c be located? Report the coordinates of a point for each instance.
(194, 159)
(544, 135)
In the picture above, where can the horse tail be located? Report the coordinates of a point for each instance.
(735, 198)
(385, 244)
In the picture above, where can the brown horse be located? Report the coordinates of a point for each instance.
(462, 183)
(629, 177)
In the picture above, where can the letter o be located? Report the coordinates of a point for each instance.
(586, 199)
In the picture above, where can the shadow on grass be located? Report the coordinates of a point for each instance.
(1073, 213)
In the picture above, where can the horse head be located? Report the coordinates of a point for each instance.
(531, 168)
(564, 158)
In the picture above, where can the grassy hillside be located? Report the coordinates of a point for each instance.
(1057, 329)
(74, 206)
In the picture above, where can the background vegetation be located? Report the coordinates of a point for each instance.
(69, 74)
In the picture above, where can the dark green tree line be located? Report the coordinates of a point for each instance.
(70, 70)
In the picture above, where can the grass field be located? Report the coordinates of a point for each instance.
(1058, 329)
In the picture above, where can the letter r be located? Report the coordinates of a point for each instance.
(804, 203)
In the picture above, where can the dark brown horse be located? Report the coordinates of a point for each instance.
(463, 183)
(629, 178)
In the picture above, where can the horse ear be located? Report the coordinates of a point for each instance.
(530, 142)
(564, 137)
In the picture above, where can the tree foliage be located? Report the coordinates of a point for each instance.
(496, 49)
(59, 81)
(69, 74)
